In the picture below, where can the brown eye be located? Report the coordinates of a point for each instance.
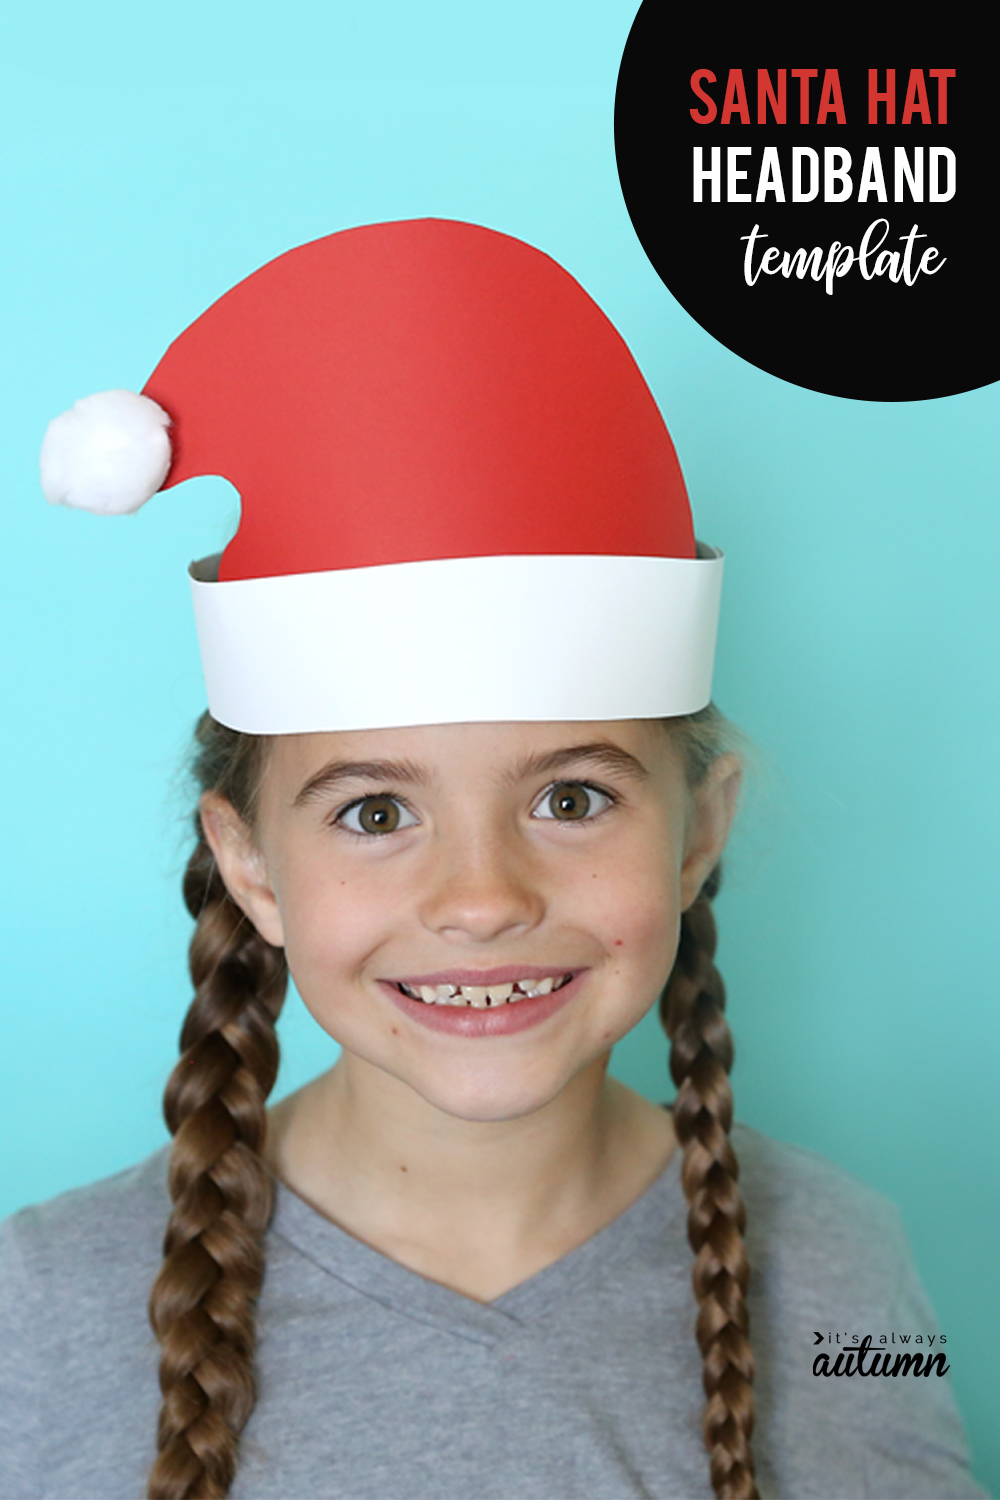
(572, 802)
(568, 800)
(376, 815)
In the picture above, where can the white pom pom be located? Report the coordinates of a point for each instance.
(108, 454)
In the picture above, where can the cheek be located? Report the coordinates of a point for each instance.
(636, 910)
(645, 945)
(331, 924)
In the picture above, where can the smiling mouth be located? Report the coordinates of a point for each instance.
(484, 996)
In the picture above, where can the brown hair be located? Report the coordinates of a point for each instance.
(202, 1306)
(701, 1055)
(203, 1300)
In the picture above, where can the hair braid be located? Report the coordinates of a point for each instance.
(203, 1300)
(701, 1056)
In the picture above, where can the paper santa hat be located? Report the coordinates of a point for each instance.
(459, 500)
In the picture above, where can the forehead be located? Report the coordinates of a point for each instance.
(501, 753)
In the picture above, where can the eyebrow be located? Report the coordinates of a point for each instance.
(601, 754)
(358, 770)
(598, 753)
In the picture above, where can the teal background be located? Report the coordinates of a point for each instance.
(150, 160)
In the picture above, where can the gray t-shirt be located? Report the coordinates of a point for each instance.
(583, 1383)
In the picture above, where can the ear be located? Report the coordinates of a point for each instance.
(241, 865)
(714, 807)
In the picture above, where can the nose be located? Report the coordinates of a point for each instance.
(480, 889)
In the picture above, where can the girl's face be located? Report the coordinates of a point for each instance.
(421, 879)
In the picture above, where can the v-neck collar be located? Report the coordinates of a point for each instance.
(405, 1291)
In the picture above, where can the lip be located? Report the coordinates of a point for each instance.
(505, 1020)
(505, 975)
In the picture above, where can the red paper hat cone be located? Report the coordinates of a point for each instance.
(459, 501)
(420, 390)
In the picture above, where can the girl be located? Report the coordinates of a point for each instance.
(461, 779)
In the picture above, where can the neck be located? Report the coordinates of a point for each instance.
(445, 1195)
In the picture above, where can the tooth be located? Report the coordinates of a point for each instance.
(479, 996)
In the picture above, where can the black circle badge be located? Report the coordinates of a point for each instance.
(831, 223)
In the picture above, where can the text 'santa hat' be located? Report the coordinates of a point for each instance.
(459, 500)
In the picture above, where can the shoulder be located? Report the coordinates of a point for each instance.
(77, 1356)
(830, 1266)
(84, 1261)
(81, 1235)
(826, 1250)
(795, 1184)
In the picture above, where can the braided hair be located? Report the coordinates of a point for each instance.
(701, 1055)
(692, 1009)
(202, 1302)
(202, 1306)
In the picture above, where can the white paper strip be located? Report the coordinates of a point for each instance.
(459, 640)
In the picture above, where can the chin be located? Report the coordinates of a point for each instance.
(488, 1100)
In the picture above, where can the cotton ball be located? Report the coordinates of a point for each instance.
(108, 454)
